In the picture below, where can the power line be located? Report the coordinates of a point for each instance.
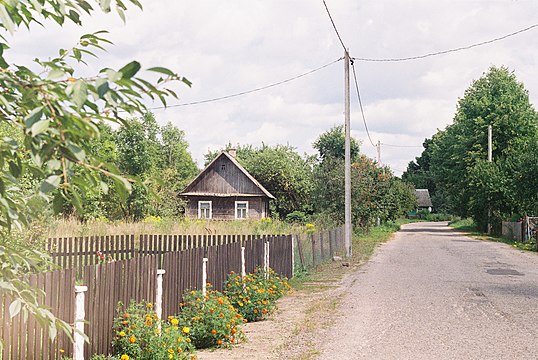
(449, 50)
(402, 146)
(360, 103)
(334, 26)
(247, 91)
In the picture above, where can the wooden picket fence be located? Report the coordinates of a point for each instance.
(77, 252)
(25, 338)
(126, 279)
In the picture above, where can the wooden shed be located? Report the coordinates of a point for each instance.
(224, 190)
(424, 201)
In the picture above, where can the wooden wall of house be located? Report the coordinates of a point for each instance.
(223, 177)
(223, 208)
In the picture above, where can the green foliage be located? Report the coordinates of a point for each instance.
(454, 163)
(282, 171)
(331, 144)
(296, 217)
(255, 294)
(141, 335)
(211, 320)
(50, 118)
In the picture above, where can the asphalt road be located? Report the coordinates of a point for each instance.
(432, 293)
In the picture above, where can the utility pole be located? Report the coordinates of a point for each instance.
(347, 164)
(379, 153)
(490, 159)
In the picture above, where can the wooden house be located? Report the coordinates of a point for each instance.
(224, 190)
(424, 201)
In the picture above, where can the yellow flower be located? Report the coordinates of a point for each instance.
(124, 357)
(132, 339)
(62, 351)
(150, 305)
(171, 351)
(186, 330)
(174, 321)
(122, 333)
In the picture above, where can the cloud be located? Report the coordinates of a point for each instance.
(237, 45)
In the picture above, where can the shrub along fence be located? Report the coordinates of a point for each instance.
(159, 278)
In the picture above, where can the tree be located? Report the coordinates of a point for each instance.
(282, 171)
(457, 156)
(375, 193)
(56, 115)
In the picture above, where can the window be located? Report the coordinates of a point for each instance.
(241, 209)
(204, 210)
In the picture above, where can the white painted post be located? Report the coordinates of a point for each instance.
(266, 259)
(78, 336)
(243, 265)
(204, 276)
(159, 294)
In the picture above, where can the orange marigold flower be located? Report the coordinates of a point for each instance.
(219, 342)
(213, 331)
(132, 339)
(150, 305)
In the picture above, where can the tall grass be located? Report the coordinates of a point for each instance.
(184, 226)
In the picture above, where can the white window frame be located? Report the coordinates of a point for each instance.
(237, 213)
(200, 209)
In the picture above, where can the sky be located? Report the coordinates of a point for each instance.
(227, 47)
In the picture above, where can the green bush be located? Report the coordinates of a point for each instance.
(296, 217)
(255, 294)
(141, 335)
(212, 320)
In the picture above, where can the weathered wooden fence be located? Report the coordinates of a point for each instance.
(132, 279)
(77, 252)
(25, 338)
(313, 249)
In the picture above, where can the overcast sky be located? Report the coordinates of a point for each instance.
(225, 47)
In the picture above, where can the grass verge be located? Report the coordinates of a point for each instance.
(468, 227)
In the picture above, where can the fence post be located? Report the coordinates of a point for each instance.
(322, 249)
(266, 258)
(78, 336)
(159, 294)
(292, 254)
(243, 265)
(331, 239)
(313, 250)
(204, 276)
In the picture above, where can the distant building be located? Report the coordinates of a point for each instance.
(424, 202)
(224, 190)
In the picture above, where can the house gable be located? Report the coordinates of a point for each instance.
(225, 177)
(423, 198)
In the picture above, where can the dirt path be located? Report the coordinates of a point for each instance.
(291, 332)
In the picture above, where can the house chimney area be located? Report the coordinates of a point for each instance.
(232, 152)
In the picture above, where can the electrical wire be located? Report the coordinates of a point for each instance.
(247, 91)
(449, 50)
(360, 104)
(402, 146)
(334, 26)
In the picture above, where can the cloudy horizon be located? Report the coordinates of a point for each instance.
(234, 46)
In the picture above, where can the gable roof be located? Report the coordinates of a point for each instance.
(191, 191)
(423, 198)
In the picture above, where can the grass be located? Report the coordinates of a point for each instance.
(176, 226)
(468, 227)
